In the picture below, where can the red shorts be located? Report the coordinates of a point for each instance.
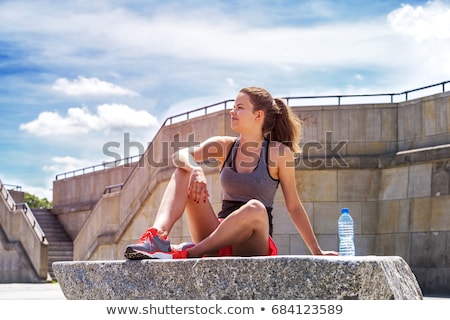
(228, 251)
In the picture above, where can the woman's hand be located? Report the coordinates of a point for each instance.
(198, 189)
(329, 253)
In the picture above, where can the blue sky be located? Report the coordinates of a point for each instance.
(77, 75)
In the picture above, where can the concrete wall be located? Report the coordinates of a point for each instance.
(389, 163)
(23, 254)
(75, 197)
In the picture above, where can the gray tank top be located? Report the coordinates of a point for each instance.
(246, 186)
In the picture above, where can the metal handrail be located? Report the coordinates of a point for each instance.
(98, 167)
(6, 196)
(26, 211)
(391, 95)
(13, 186)
(187, 115)
(339, 97)
(109, 188)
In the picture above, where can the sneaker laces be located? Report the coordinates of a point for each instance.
(149, 234)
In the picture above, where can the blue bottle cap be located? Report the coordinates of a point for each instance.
(344, 210)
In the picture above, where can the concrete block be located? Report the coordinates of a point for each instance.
(341, 124)
(429, 117)
(394, 183)
(369, 217)
(357, 130)
(366, 148)
(414, 122)
(420, 215)
(440, 218)
(440, 179)
(447, 103)
(236, 278)
(419, 180)
(434, 281)
(373, 125)
(389, 124)
(324, 123)
(430, 249)
(317, 185)
(326, 215)
(388, 216)
(359, 185)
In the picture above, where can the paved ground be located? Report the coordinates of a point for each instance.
(51, 291)
(31, 291)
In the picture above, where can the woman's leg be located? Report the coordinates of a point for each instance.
(246, 229)
(201, 217)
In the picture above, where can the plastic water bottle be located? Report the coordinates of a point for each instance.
(346, 234)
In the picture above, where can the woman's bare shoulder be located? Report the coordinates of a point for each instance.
(218, 146)
(278, 149)
(224, 140)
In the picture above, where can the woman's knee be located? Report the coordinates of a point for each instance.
(256, 205)
(257, 209)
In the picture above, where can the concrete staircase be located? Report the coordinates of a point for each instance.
(60, 246)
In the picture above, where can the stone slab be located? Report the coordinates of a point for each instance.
(238, 278)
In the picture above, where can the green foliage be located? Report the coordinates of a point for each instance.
(35, 202)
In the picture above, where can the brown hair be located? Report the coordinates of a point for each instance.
(280, 123)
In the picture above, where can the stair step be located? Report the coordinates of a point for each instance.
(60, 249)
(60, 246)
(61, 258)
(56, 237)
(60, 252)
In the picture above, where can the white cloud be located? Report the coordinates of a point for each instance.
(431, 21)
(90, 86)
(423, 34)
(207, 35)
(66, 164)
(203, 34)
(39, 191)
(122, 116)
(82, 121)
(230, 82)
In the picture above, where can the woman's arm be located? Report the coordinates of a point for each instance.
(189, 158)
(297, 212)
(216, 148)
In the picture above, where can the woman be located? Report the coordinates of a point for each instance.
(251, 168)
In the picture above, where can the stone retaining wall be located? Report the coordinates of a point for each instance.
(236, 278)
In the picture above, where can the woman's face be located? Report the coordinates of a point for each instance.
(242, 115)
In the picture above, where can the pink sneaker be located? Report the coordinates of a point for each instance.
(152, 246)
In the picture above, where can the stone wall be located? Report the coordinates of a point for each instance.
(241, 278)
(23, 253)
(75, 197)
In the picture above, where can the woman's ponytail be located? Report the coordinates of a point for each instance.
(287, 127)
(280, 123)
